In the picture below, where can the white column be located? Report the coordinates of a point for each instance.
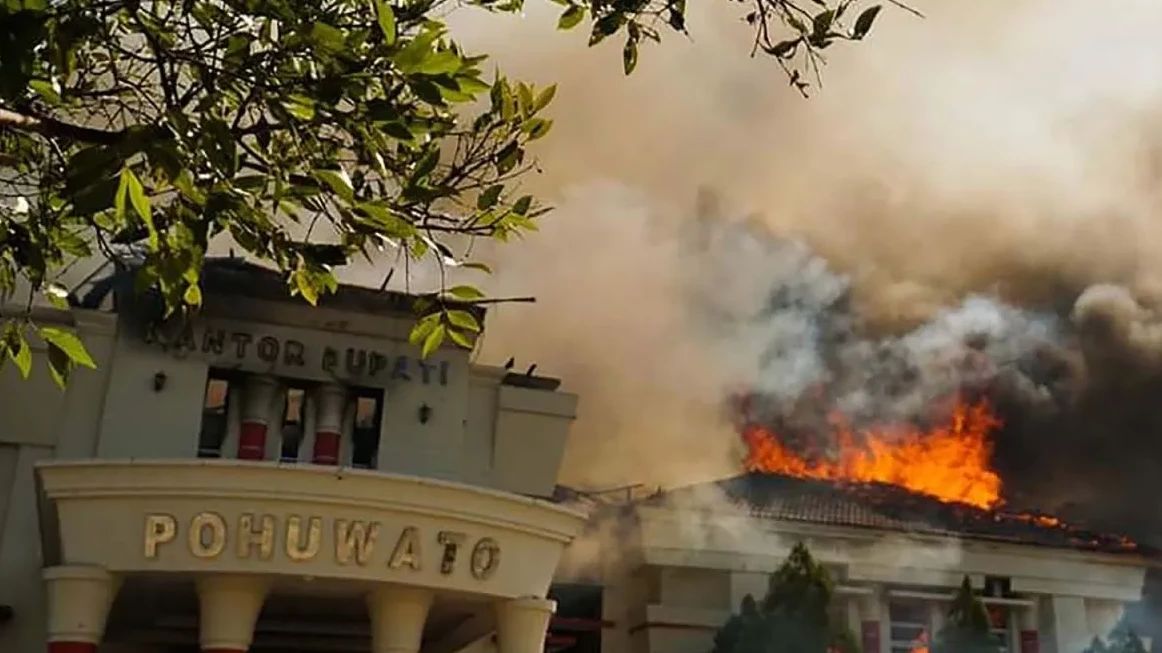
(329, 441)
(79, 598)
(521, 624)
(257, 400)
(307, 445)
(228, 608)
(397, 616)
(229, 447)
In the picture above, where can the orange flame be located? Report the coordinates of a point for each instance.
(949, 462)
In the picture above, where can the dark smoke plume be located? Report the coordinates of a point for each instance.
(1078, 388)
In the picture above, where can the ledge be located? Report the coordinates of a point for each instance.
(245, 517)
(543, 402)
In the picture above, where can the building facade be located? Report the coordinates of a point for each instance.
(286, 478)
(677, 565)
(276, 477)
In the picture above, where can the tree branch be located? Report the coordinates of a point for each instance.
(53, 127)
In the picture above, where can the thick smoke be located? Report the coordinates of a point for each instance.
(970, 202)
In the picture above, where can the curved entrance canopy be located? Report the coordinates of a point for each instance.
(242, 530)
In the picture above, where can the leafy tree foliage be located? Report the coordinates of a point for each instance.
(1122, 639)
(793, 617)
(793, 33)
(308, 133)
(966, 629)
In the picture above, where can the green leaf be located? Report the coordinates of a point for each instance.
(822, 22)
(525, 94)
(629, 55)
(69, 344)
(338, 181)
(57, 294)
(48, 90)
(420, 331)
(58, 365)
(137, 197)
(426, 165)
(299, 106)
(305, 285)
(129, 187)
(433, 340)
(221, 148)
(21, 355)
(460, 338)
(544, 98)
(464, 320)
(122, 194)
(414, 53)
(863, 24)
(605, 26)
(439, 63)
(522, 205)
(386, 17)
(536, 127)
(383, 219)
(477, 266)
(465, 292)
(489, 197)
(328, 37)
(193, 295)
(571, 17)
(677, 17)
(783, 48)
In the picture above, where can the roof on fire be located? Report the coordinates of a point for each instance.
(885, 507)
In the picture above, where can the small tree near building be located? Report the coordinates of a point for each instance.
(967, 627)
(793, 617)
(1122, 639)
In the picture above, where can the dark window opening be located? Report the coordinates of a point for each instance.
(292, 424)
(908, 626)
(215, 422)
(365, 430)
(577, 625)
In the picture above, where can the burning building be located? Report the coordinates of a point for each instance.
(898, 515)
(279, 477)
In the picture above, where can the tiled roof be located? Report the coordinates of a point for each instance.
(884, 507)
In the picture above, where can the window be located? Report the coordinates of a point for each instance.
(999, 626)
(215, 422)
(292, 424)
(365, 430)
(910, 626)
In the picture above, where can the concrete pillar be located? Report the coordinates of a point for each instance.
(521, 624)
(397, 616)
(330, 402)
(257, 397)
(872, 623)
(228, 608)
(79, 598)
(1068, 627)
(1029, 639)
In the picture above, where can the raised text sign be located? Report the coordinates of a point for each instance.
(301, 539)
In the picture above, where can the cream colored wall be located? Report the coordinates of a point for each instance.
(39, 421)
(114, 412)
(140, 422)
(158, 517)
(695, 588)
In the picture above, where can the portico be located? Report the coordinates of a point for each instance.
(241, 534)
